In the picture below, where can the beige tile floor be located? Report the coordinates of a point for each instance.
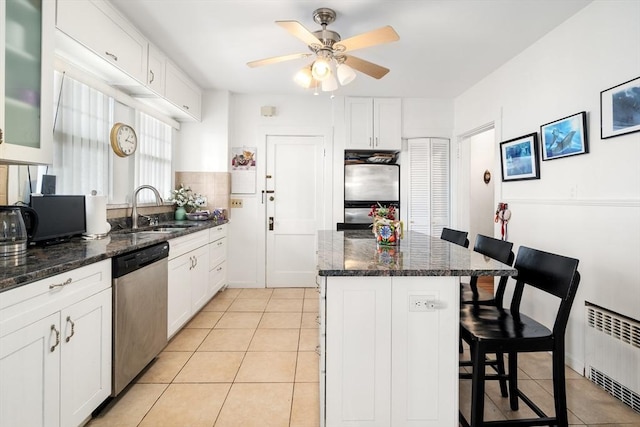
(248, 359)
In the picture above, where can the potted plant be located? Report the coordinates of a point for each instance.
(186, 200)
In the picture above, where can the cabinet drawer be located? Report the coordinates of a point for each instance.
(217, 232)
(25, 304)
(182, 245)
(217, 252)
(218, 276)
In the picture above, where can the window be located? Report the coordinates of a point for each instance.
(80, 138)
(153, 157)
(82, 158)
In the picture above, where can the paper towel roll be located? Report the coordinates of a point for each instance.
(96, 215)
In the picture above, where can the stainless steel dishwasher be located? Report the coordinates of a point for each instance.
(139, 311)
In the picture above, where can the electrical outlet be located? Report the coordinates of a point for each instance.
(422, 303)
(236, 203)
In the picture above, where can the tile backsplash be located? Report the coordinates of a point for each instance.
(216, 186)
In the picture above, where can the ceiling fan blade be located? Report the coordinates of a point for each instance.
(276, 59)
(299, 31)
(381, 35)
(369, 68)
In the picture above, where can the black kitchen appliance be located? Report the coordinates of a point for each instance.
(60, 217)
(366, 185)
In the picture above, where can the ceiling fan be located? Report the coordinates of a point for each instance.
(330, 52)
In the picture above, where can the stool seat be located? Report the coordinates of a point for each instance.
(494, 325)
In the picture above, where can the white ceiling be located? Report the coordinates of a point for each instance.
(445, 46)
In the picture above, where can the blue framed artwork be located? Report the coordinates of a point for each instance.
(565, 137)
(519, 158)
(620, 109)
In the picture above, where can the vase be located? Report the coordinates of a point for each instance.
(387, 232)
(181, 213)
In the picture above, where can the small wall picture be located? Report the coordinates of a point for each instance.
(519, 158)
(620, 109)
(565, 137)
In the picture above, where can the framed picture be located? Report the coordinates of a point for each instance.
(620, 109)
(565, 137)
(519, 158)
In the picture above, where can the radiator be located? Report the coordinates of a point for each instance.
(612, 353)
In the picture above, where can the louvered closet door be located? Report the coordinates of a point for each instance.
(429, 185)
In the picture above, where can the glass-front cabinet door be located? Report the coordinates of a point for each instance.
(26, 62)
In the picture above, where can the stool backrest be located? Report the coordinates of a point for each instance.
(554, 274)
(495, 248)
(455, 236)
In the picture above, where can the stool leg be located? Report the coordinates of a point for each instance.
(559, 388)
(513, 381)
(478, 356)
(501, 371)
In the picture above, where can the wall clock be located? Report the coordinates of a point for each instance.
(124, 140)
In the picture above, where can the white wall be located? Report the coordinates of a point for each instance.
(587, 206)
(203, 147)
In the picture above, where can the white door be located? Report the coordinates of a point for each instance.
(294, 203)
(428, 203)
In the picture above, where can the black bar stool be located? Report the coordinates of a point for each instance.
(470, 294)
(512, 332)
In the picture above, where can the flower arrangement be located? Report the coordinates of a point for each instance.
(383, 212)
(386, 228)
(186, 198)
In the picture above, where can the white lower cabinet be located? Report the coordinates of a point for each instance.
(55, 348)
(390, 359)
(188, 278)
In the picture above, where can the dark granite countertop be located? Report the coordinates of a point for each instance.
(42, 262)
(354, 253)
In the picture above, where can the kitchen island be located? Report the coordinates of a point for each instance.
(389, 328)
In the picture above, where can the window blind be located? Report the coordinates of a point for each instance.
(153, 157)
(80, 138)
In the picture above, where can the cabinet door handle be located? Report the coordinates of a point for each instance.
(53, 347)
(376, 141)
(219, 243)
(370, 142)
(186, 107)
(195, 261)
(153, 76)
(190, 263)
(59, 285)
(73, 329)
(115, 58)
(219, 268)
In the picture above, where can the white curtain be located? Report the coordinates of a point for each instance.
(81, 138)
(153, 157)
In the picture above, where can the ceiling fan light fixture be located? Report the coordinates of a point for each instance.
(329, 84)
(345, 74)
(321, 69)
(304, 77)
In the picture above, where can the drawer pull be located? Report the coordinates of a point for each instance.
(186, 107)
(219, 243)
(115, 58)
(73, 329)
(59, 285)
(219, 269)
(53, 347)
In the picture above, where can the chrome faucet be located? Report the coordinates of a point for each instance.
(134, 204)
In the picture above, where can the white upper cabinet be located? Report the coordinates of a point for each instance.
(156, 70)
(182, 92)
(373, 123)
(94, 36)
(96, 25)
(26, 90)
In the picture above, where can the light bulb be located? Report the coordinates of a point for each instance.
(345, 74)
(320, 69)
(303, 77)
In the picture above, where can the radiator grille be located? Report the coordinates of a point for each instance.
(613, 325)
(617, 390)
